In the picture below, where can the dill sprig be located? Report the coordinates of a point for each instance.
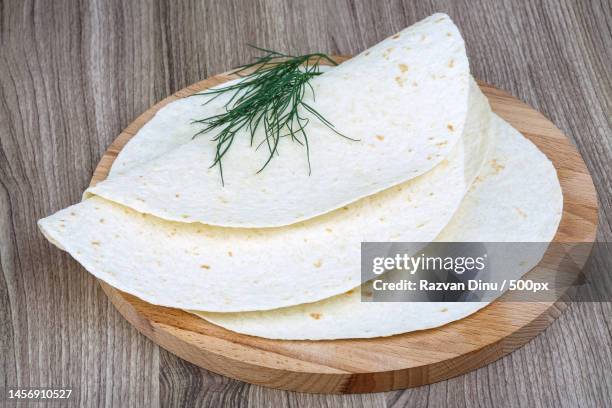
(271, 95)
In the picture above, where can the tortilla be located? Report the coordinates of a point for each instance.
(405, 100)
(194, 266)
(516, 198)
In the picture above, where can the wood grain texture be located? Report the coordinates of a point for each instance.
(73, 74)
(380, 364)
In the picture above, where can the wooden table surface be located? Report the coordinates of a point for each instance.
(74, 74)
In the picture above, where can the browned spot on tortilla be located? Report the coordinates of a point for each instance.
(449, 34)
(101, 220)
(439, 20)
(140, 199)
(316, 316)
(399, 81)
(442, 144)
(345, 208)
(350, 292)
(367, 53)
(73, 214)
(450, 127)
(385, 55)
(177, 195)
(521, 212)
(229, 253)
(496, 166)
(95, 243)
(396, 36)
(184, 216)
(451, 63)
(444, 310)
(204, 266)
(403, 68)
(380, 137)
(328, 229)
(317, 263)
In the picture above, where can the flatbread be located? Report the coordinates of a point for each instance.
(516, 198)
(194, 266)
(405, 100)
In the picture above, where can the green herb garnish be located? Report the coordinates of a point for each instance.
(271, 94)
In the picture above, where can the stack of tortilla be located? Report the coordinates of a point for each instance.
(276, 253)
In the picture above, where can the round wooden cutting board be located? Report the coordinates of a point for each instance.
(380, 364)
